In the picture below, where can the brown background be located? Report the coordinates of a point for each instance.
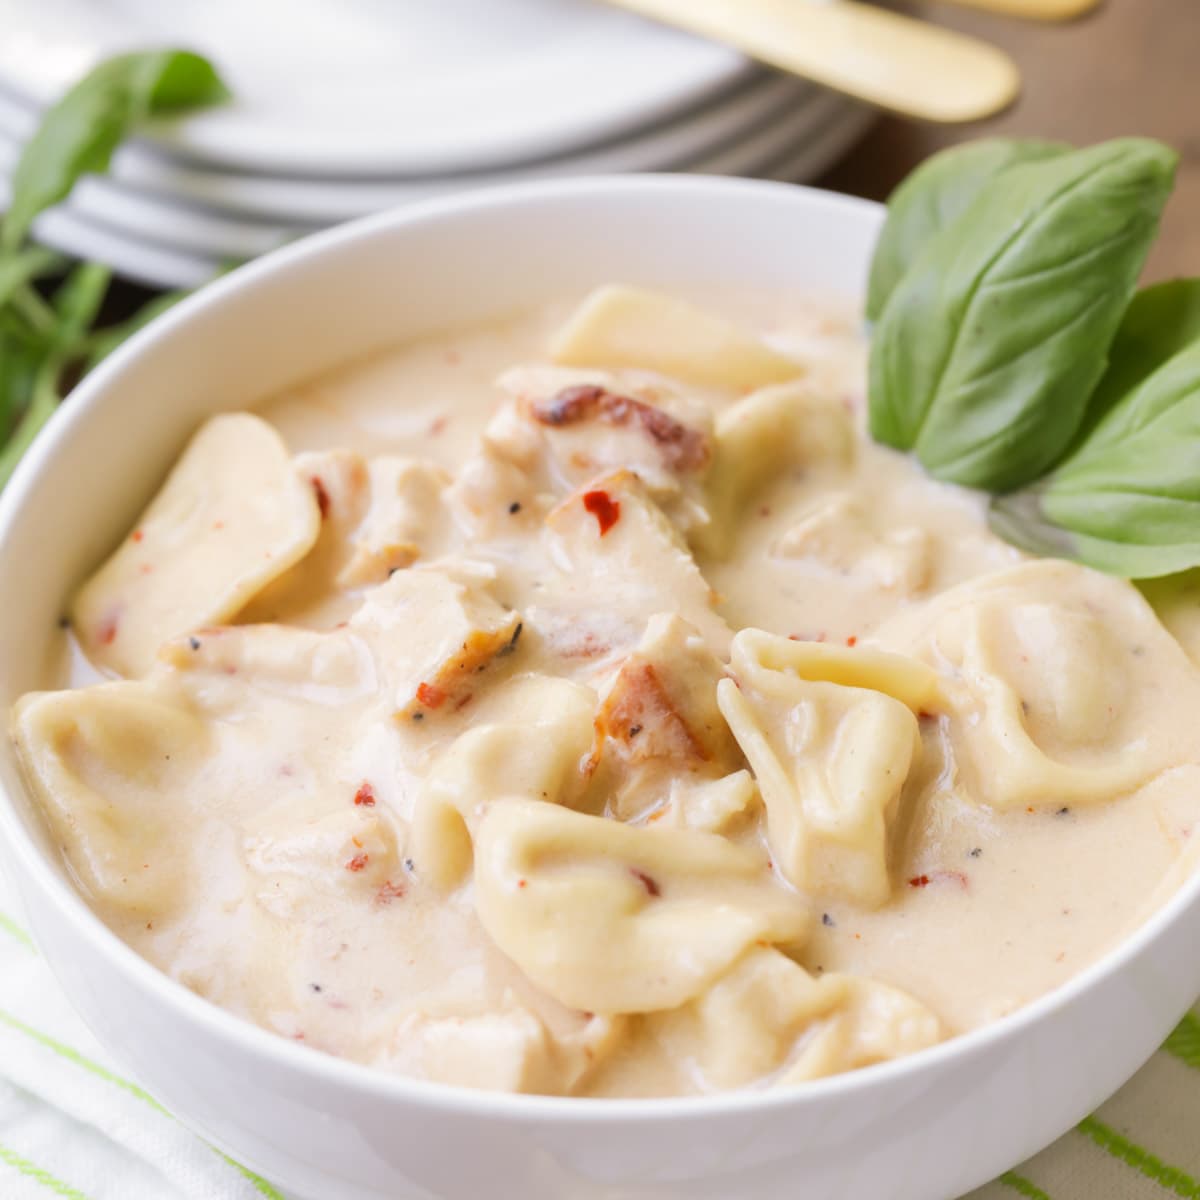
(1131, 67)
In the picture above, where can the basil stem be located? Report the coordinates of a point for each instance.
(44, 399)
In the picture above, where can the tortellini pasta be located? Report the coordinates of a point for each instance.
(784, 427)
(232, 516)
(541, 752)
(105, 761)
(768, 1018)
(837, 536)
(831, 758)
(612, 918)
(1054, 676)
(629, 327)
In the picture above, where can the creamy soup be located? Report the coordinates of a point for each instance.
(587, 706)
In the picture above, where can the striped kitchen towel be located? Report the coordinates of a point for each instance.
(73, 1126)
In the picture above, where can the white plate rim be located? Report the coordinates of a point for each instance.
(662, 72)
(299, 202)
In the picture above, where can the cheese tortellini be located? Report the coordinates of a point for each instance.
(631, 725)
(1054, 680)
(616, 919)
(232, 516)
(831, 753)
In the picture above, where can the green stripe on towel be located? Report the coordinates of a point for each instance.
(263, 1187)
(1022, 1186)
(38, 1174)
(1184, 1042)
(81, 1060)
(1140, 1159)
(12, 928)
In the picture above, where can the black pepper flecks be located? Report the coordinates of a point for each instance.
(826, 919)
(514, 508)
(512, 641)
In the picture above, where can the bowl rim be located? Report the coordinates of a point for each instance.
(284, 1054)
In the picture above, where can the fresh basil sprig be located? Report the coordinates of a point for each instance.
(46, 343)
(79, 133)
(987, 351)
(1127, 499)
(935, 195)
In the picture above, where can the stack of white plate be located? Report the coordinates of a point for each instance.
(344, 107)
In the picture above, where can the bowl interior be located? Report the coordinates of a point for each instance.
(332, 298)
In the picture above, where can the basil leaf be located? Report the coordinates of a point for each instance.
(1127, 500)
(79, 133)
(940, 190)
(1159, 322)
(43, 400)
(987, 352)
(19, 361)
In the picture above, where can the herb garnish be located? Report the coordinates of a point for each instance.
(1009, 354)
(46, 334)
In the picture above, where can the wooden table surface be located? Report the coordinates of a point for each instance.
(1131, 67)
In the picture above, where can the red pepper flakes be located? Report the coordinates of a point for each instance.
(437, 426)
(137, 535)
(522, 883)
(852, 640)
(920, 881)
(389, 891)
(218, 525)
(925, 715)
(649, 883)
(358, 862)
(323, 501)
(365, 796)
(430, 695)
(604, 508)
(461, 704)
(106, 634)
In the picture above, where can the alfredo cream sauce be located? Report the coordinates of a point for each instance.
(586, 705)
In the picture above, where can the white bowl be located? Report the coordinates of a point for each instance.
(924, 1128)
